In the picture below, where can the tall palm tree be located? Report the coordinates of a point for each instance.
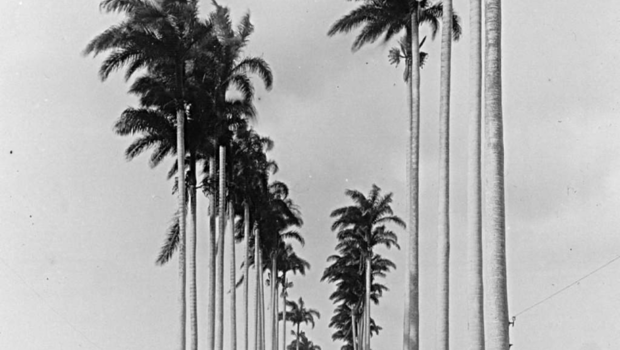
(497, 296)
(361, 227)
(299, 314)
(387, 18)
(443, 241)
(158, 36)
(249, 177)
(474, 184)
(233, 70)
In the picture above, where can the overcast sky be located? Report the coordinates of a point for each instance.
(81, 226)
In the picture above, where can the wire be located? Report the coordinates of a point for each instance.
(570, 285)
(50, 306)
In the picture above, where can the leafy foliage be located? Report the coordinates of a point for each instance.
(359, 228)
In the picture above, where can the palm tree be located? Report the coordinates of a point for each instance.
(387, 18)
(299, 314)
(497, 295)
(303, 343)
(346, 270)
(249, 176)
(474, 187)
(158, 37)
(233, 70)
(289, 261)
(443, 242)
(361, 227)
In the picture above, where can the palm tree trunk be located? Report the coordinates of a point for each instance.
(274, 278)
(191, 256)
(367, 305)
(233, 279)
(443, 239)
(277, 322)
(413, 314)
(361, 332)
(284, 291)
(297, 340)
(262, 306)
(246, 275)
(474, 186)
(212, 263)
(219, 335)
(497, 296)
(182, 217)
(258, 281)
(353, 330)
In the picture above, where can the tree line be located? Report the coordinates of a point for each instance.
(196, 103)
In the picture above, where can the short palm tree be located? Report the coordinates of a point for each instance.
(298, 314)
(288, 261)
(302, 343)
(360, 228)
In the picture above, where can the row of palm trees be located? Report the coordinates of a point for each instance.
(388, 18)
(196, 102)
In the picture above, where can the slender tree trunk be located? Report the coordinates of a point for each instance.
(219, 335)
(258, 281)
(360, 332)
(274, 301)
(474, 184)
(182, 218)
(246, 275)
(443, 239)
(412, 321)
(277, 322)
(497, 296)
(191, 256)
(353, 331)
(262, 306)
(284, 291)
(233, 279)
(367, 304)
(212, 263)
(297, 339)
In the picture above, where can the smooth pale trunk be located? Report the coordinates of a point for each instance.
(496, 297)
(412, 316)
(284, 311)
(367, 305)
(274, 322)
(263, 335)
(353, 331)
(443, 238)
(182, 217)
(475, 299)
(258, 281)
(233, 279)
(212, 263)
(277, 323)
(246, 276)
(191, 257)
(219, 323)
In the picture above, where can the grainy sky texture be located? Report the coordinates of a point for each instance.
(81, 226)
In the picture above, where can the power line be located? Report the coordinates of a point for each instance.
(50, 306)
(568, 286)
